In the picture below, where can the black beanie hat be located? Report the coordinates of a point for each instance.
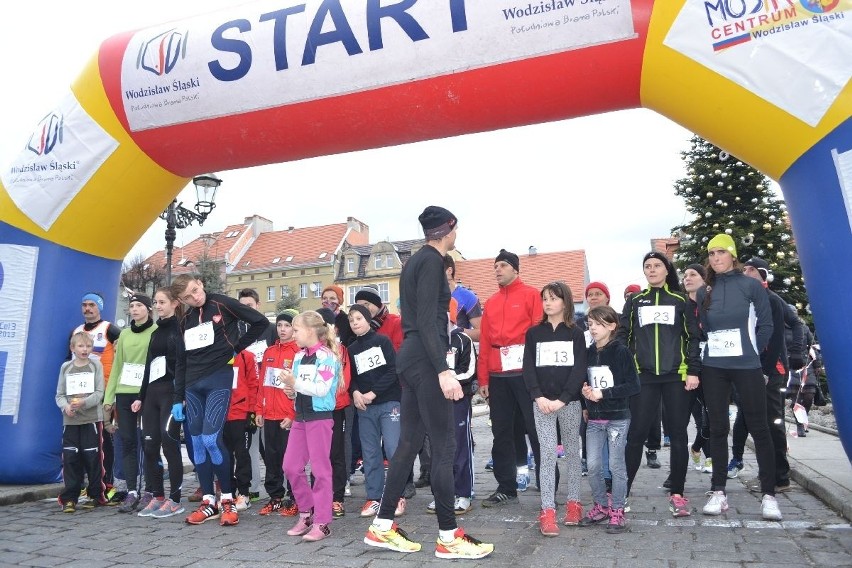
(142, 299)
(761, 265)
(371, 295)
(287, 315)
(671, 278)
(699, 269)
(361, 310)
(510, 258)
(437, 222)
(327, 315)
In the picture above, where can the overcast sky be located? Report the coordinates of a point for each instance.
(604, 183)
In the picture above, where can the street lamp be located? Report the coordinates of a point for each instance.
(177, 216)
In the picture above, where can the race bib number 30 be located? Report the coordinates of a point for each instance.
(131, 374)
(724, 343)
(199, 336)
(372, 358)
(600, 377)
(554, 354)
(77, 384)
(512, 357)
(663, 315)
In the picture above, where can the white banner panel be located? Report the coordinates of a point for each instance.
(63, 152)
(843, 165)
(794, 54)
(271, 53)
(17, 279)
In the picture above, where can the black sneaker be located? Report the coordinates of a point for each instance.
(69, 507)
(498, 499)
(131, 501)
(667, 484)
(653, 462)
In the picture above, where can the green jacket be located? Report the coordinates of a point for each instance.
(130, 349)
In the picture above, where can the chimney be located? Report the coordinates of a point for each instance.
(533, 251)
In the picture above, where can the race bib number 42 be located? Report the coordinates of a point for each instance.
(77, 384)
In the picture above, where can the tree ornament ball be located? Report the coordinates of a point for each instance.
(718, 202)
(737, 199)
(701, 176)
(742, 178)
(709, 195)
(728, 231)
(787, 282)
(720, 184)
(770, 245)
(761, 252)
(724, 155)
(708, 214)
(724, 174)
(754, 199)
(780, 254)
(715, 225)
(717, 172)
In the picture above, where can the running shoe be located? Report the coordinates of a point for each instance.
(302, 526)
(489, 465)
(242, 503)
(228, 516)
(547, 522)
(196, 497)
(289, 508)
(347, 491)
(679, 506)
(735, 466)
(271, 506)
(370, 508)
(204, 513)
(430, 508)
(337, 509)
(696, 459)
(69, 507)
(595, 515)
(394, 539)
(653, 462)
(498, 499)
(131, 501)
(666, 442)
(769, 509)
(318, 532)
(717, 504)
(523, 480)
(617, 522)
(168, 509)
(708, 465)
(400, 508)
(152, 505)
(254, 496)
(560, 451)
(463, 546)
(573, 513)
(462, 505)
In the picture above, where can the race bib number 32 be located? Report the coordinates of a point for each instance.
(370, 359)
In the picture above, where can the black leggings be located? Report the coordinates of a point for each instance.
(751, 390)
(128, 429)
(156, 412)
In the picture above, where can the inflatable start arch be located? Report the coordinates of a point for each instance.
(280, 80)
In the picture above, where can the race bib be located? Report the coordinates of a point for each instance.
(589, 340)
(724, 343)
(236, 376)
(199, 336)
(512, 357)
(663, 315)
(77, 384)
(554, 354)
(307, 373)
(273, 378)
(372, 358)
(600, 377)
(258, 348)
(158, 369)
(131, 374)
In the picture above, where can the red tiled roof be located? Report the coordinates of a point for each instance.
(665, 245)
(536, 270)
(304, 245)
(220, 244)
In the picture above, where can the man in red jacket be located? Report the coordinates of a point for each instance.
(507, 316)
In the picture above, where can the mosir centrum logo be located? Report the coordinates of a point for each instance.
(734, 22)
(46, 135)
(160, 54)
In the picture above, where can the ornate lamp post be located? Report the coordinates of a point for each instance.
(177, 216)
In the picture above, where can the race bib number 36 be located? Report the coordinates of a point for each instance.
(199, 336)
(663, 315)
(600, 377)
(724, 343)
(554, 354)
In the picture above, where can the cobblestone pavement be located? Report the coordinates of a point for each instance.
(39, 534)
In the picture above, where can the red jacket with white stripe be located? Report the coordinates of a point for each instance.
(272, 403)
(244, 390)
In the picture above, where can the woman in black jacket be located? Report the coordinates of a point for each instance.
(661, 330)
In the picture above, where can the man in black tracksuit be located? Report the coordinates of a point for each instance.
(775, 366)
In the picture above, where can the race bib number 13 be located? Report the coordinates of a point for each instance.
(554, 354)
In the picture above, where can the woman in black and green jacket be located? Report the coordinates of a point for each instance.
(661, 332)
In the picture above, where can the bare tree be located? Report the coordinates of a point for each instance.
(140, 276)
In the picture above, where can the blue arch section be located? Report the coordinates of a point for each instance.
(33, 445)
(821, 225)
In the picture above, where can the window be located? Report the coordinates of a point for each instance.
(322, 255)
(384, 293)
(276, 260)
(350, 265)
(239, 278)
(388, 261)
(285, 291)
(318, 289)
(270, 275)
(377, 261)
(302, 273)
(270, 293)
(303, 291)
(316, 270)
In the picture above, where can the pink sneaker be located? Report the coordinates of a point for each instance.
(302, 526)
(318, 532)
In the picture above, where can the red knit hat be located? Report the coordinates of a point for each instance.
(600, 286)
(632, 289)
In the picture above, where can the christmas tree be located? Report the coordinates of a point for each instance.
(726, 195)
